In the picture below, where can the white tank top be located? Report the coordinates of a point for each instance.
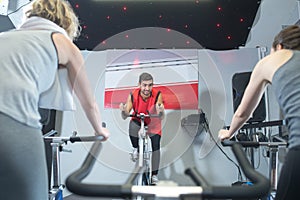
(28, 65)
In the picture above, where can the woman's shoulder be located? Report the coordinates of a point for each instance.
(271, 63)
(66, 49)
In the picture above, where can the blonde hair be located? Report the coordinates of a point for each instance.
(58, 11)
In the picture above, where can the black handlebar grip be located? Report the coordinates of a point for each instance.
(227, 143)
(242, 143)
(86, 138)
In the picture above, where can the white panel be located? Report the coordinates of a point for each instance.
(16, 10)
(166, 66)
(269, 20)
(3, 7)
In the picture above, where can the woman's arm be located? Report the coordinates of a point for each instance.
(70, 57)
(250, 101)
(262, 75)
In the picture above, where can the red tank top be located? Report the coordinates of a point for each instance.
(146, 107)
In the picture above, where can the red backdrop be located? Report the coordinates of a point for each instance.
(176, 96)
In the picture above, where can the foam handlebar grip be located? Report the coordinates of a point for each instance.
(242, 143)
(86, 138)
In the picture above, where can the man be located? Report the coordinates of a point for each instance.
(145, 99)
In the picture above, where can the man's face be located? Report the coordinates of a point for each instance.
(146, 87)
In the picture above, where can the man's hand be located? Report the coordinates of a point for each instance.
(122, 107)
(160, 109)
(124, 113)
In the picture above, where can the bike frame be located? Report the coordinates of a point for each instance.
(56, 191)
(260, 187)
(145, 156)
(273, 160)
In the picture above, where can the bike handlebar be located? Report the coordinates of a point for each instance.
(253, 143)
(260, 186)
(86, 138)
(73, 139)
(143, 115)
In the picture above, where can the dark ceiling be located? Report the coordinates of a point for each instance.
(214, 24)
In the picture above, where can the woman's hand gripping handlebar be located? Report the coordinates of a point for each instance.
(74, 138)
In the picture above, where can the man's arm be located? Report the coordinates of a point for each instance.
(126, 108)
(160, 108)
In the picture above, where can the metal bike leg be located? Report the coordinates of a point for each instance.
(57, 187)
(56, 165)
(147, 161)
(273, 167)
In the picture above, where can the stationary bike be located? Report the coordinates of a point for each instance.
(57, 143)
(144, 157)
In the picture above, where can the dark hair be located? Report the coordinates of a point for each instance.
(145, 77)
(289, 38)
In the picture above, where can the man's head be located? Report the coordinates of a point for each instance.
(146, 84)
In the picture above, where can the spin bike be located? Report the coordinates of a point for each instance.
(273, 162)
(57, 143)
(260, 187)
(144, 158)
(272, 146)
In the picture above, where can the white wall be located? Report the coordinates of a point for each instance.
(181, 147)
(272, 15)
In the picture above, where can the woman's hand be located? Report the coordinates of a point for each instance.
(103, 132)
(224, 134)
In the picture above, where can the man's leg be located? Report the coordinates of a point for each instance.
(155, 143)
(133, 133)
(134, 138)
